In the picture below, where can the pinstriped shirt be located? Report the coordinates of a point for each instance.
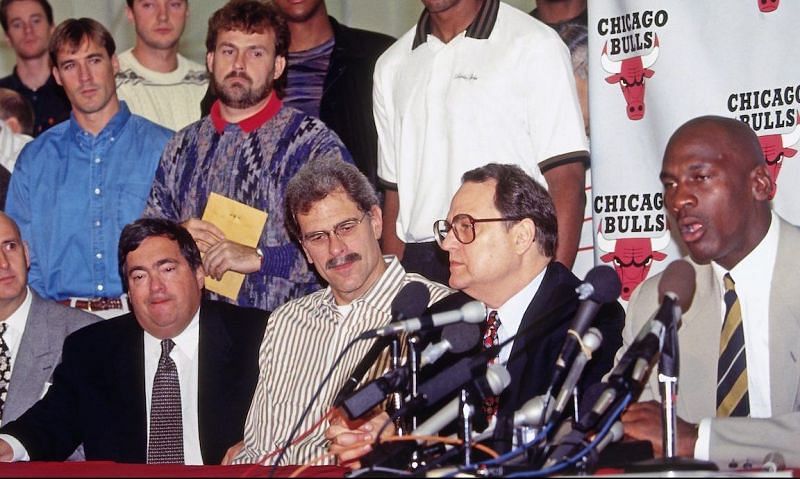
(302, 340)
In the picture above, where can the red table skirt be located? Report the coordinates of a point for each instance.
(113, 469)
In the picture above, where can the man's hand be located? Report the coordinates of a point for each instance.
(232, 452)
(642, 421)
(6, 453)
(204, 233)
(351, 440)
(230, 256)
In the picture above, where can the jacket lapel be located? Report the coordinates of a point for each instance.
(128, 369)
(214, 354)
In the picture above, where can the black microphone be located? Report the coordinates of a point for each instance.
(457, 338)
(410, 302)
(602, 285)
(676, 288)
(472, 312)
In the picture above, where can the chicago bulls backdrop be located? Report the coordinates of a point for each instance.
(654, 65)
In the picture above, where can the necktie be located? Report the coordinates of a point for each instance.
(166, 427)
(732, 396)
(491, 403)
(5, 367)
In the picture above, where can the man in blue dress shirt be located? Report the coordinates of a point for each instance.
(79, 183)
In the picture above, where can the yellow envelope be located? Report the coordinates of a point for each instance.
(240, 223)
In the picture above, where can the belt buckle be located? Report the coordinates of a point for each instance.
(89, 304)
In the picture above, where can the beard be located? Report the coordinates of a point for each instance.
(239, 96)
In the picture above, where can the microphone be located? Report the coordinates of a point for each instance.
(411, 301)
(591, 341)
(472, 312)
(602, 285)
(676, 288)
(773, 462)
(456, 338)
(497, 377)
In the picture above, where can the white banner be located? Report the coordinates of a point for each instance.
(653, 65)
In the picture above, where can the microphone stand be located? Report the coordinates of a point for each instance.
(396, 399)
(668, 370)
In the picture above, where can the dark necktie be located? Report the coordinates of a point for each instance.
(732, 396)
(166, 425)
(491, 403)
(5, 367)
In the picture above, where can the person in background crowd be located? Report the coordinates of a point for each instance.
(77, 185)
(28, 25)
(474, 79)
(154, 79)
(246, 149)
(739, 394)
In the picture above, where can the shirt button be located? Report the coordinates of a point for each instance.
(99, 287)
(97, 223)
(99, 256)
(97, 160)
(97, 191)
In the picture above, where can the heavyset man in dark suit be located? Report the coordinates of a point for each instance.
(34, 328)
(101, 391)
(500, 234)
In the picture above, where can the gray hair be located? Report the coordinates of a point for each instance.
(319, 178)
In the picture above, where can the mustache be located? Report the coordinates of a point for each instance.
(342, 260)
(238, 74)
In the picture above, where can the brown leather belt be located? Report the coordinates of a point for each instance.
(94, 304)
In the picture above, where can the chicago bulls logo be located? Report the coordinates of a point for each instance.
(767, 6)
(630, 73)
(776, 148)
(632, 258)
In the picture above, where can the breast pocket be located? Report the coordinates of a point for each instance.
(131, 200)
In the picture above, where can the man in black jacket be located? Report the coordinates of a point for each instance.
(329, 76)
(107, 392)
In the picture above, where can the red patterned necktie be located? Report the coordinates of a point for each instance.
(166, 424)
(491, 403)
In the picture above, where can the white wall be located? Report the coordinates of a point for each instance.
(389, 16)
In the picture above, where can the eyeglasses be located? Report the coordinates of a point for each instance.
(342, 230)
(463, 226)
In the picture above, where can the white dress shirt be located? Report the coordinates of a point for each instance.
(16, 326)
(511, 312)
(753, 281)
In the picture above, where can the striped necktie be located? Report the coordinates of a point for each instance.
(491, 403)
(166, 425)
(5, 367)
(732, 396)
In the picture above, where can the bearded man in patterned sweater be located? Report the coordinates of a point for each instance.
(246, 149)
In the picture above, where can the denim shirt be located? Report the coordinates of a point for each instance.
(72, 193)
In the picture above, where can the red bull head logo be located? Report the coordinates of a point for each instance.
(632, 258)
(630, 74)
(776, 148)
(767, 6)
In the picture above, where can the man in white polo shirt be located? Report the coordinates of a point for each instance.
(474, 81)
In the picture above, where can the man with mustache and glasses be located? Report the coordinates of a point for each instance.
(246, 149)
(332, 208)
(739, 341)
(79, 183)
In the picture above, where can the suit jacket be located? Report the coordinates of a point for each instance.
(735, 439)
(40, 351)
(540, 337)
(98, 393)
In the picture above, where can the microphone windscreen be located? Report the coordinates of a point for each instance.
(461, 336)
(605, 282)
(678, 278)
(473, 312)
(411, 301)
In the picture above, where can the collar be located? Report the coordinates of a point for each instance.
(251, 123)
(759, 264)
(112, 128)
(187, 341)
(480, 28)
(19, 318)
(512, 311)
(381, 294)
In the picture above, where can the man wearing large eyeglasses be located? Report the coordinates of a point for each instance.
(333, 210)
(501, 238)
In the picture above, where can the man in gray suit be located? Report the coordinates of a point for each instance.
(740, 339)
(33, 328)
